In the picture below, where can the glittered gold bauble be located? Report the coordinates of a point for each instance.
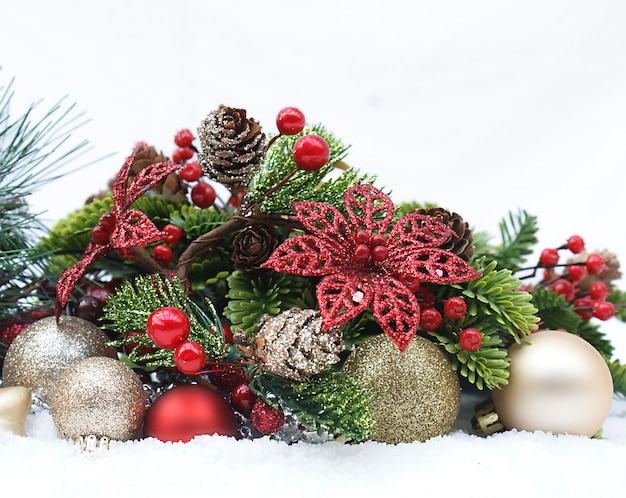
(98, 396)
(44, 349)
(15, 402)
(416, 394)
(558, 383)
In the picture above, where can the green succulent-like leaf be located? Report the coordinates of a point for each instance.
(195, 221)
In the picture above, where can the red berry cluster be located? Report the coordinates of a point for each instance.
(202, 192)
(101, 233)
(589, 304)
(169, 328)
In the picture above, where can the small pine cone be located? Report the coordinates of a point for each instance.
(461, 244)
(170, 186)
(253, 245)
(610, 273)
(294, 346)
(233, 147)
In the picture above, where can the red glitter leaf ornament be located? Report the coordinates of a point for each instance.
(132, 227)
(363, 263)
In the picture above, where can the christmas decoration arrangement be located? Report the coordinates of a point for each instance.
(254, 284)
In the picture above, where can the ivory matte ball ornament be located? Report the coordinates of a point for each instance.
(45, 348)
(98, 396)
(558, 383)
(416, 394)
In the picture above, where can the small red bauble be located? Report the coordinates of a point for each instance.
(311, 152)
(243, 398)
(107, 221)
(189, 357)
(191, 172)
(454, 308)
(549, 257)
(430, 319)
(290, 121)
(172, 234)
(564, 288)
(266, 418)
(189, 410)
(168, 327)
(203, 195)
(594, 264)
(576, 244)
(162, 254)
(183, 138)
(100, 235)
(470, 339)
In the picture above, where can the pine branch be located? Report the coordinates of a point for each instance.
(618, 372)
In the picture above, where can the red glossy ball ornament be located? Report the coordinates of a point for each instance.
(203, 195)
(172, 234)
(162, 254)
(168, 327)
(187, 411)
(183, 138)
(189, 357)
(290, 121)
(311, 152)
(243, 398)
(266, 418)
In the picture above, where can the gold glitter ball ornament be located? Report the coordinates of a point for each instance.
(416, 394)
(558, 383)
(44, 349)
(98, 396)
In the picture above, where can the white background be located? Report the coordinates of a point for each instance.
(484, 107)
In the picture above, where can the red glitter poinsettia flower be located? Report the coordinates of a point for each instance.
(364, 263)
(129, 227)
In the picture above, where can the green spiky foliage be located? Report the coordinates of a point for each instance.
(252, 296)
(329, 401)
(35, 148)
(618, 297)
(556, 313)
(501, 311)
(326, 185)
(618, 373)
(128, 309)
(518, 234)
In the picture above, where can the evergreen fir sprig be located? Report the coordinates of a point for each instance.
(618, 297)
(326, 185)
(128, 309)
(330, 401)
(618, 373)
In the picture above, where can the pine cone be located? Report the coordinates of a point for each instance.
(233, 147)
(461, 244)
(253, 245)
(610, 273)
(294, 346)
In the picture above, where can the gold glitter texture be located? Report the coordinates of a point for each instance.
(416, 394)
(44, 349)
(98, 396)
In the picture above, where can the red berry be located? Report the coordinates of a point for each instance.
(564, 288)
(379, 253)
(168, 327)
(191, 172)
(362, 254)
(203, 195)
(378, 240)
(576, 244)
(189, 357)
(583, 307)
(266, 419)
(595, 264)
(162, 254)
(311, 152)
(107, 221)
(603, 310)
(228, 334)
(185, 153)
(430, 319)
(362, 237)
(290, 121)
(176, 157)
(172, 234)
(454, 308)
(549, 257)
(242, 398)
(470, 339)
(100, 235)
(576, 272)
(598, 290)
(184, 138)
(411, 283)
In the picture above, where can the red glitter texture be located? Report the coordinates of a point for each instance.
(349, 286)
(265, 418)
(132, 227)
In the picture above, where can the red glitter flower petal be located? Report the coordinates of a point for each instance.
(433, 265)
(342, 297)
(415, 230)
(305, 255)
(368, 208)
(325, 222)
(133, 229)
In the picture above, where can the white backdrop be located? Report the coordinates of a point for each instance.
(484, 107)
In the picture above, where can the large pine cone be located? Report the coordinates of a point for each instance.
(462, 243)
(253, 245)
(232, 147)
(294, 346)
